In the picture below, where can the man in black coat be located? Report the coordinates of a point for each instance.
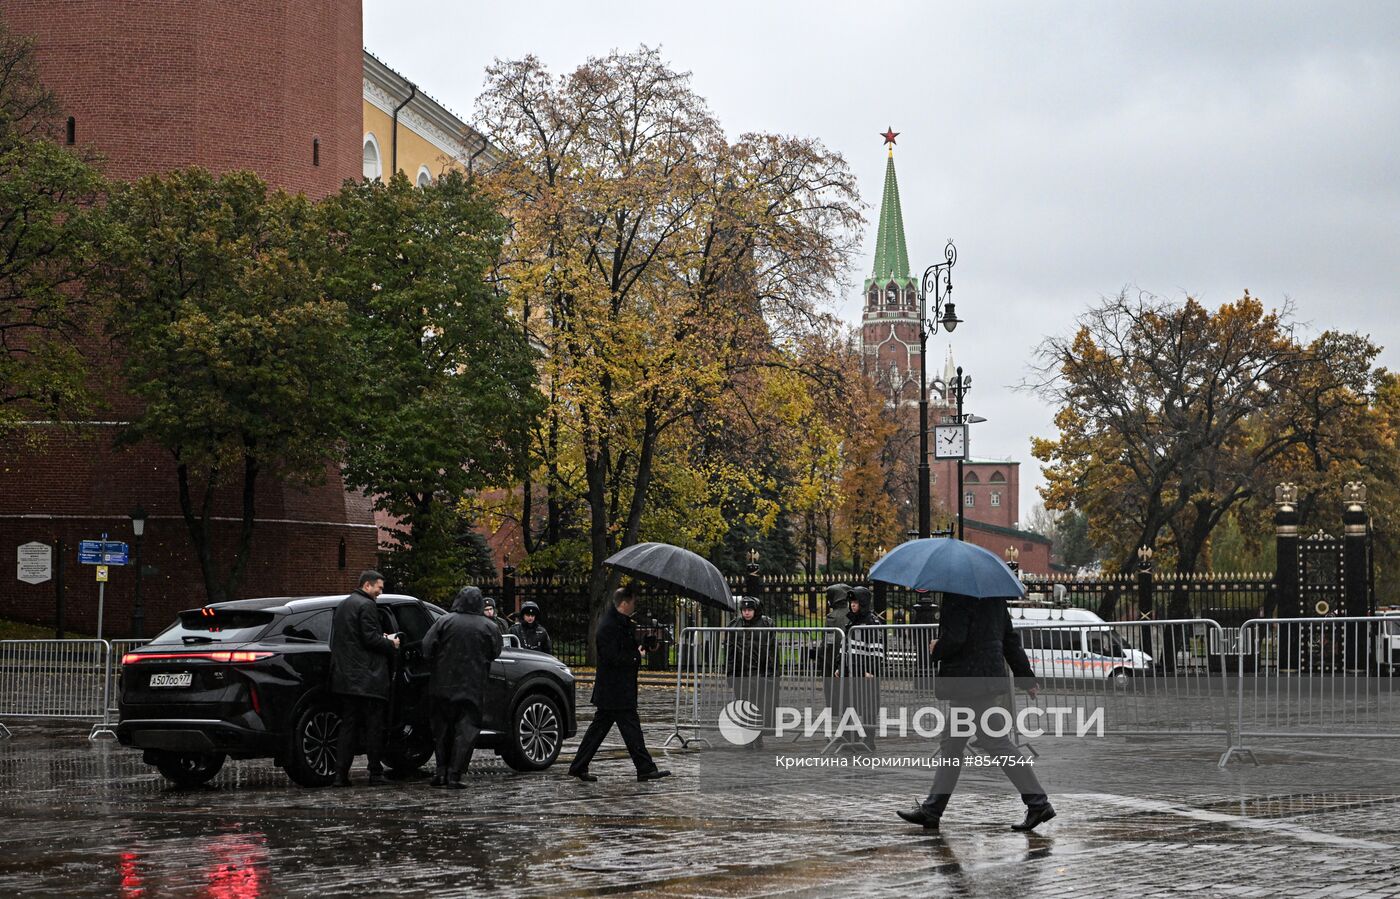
(615, 690)
(530, 632)
(976, 641)
(459, 648)
(361, 660)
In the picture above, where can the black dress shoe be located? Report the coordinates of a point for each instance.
(584, 776)
(920, 816)
(438, 780)
(656, 774)
(1035, 817)
(455, 785)
(341, 782)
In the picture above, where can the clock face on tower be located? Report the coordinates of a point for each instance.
(950, 442)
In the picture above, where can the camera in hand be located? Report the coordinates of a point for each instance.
(650, 636)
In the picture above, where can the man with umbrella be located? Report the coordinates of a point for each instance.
(975, 645)
(615, 691)
(751, 661)
(976, 642)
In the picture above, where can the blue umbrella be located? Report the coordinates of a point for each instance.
(946, 565)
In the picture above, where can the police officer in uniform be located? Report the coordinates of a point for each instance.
(528, 629)
(751, 661)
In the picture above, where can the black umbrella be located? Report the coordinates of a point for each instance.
(680, 569)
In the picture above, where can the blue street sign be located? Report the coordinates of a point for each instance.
(102, 552)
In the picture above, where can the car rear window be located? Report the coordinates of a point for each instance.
(213, 625)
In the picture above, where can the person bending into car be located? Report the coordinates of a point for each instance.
(361, 656)
(459, 648)
(530, 632)
(976, 642)
(615, 690)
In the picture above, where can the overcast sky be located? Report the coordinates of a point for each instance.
(1070, 149)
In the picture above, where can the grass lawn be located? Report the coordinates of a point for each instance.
(14, 630)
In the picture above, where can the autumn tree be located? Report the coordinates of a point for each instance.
(441, 374)
(1171, 416)
(238, 360)
(655, 262)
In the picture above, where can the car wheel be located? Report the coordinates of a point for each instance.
(1119, 677)
(536, 734)
(311, 761)
(189, 769)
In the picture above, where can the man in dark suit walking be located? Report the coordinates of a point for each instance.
(615, 691)
(976, 641)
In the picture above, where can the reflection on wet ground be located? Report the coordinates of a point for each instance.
(90, 819)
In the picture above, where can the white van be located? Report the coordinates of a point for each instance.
(1388, 640)
(1085, 647)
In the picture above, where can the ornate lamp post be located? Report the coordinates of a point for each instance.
(958, 388)
(1013, 558)
(938, 286)
(138, 613)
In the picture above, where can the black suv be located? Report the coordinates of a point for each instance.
(250, 678)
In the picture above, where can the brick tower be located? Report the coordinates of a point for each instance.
(270, 86)
(890, 322)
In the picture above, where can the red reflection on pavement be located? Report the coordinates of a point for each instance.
(239, 863)
(132, 884)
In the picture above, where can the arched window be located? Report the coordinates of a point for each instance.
(424, 176)
(997, 478)
(874, 296)
(373, 170)
(971, 478)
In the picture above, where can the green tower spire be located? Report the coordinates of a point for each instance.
(891, 252)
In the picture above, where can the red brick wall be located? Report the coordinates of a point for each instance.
(1035, 554)
(238, 84)
(162, 84)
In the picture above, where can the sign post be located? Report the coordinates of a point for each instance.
(101, 553)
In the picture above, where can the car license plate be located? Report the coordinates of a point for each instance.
(181, 679)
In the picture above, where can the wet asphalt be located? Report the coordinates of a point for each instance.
(1135, 819)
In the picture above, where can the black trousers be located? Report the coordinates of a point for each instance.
(629, 725)
(946, 780)
(361, 729)
(456, 725)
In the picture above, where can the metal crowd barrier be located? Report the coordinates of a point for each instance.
(768, 666)
(64, 679)
(1306, 678)
(1147, 678)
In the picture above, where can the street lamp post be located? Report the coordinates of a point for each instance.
(938, 280)
(138, 614)
(959, 388)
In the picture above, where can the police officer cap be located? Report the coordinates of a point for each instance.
(750, 602)
(529, 607)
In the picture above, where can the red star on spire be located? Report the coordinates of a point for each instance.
(889, 135)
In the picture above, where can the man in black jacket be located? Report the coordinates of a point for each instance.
(615, 691)
(459, 648)
(528, 629)
(361, 656)
(865, 656)
(976, 641)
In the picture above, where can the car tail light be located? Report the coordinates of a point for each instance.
(235, 656)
